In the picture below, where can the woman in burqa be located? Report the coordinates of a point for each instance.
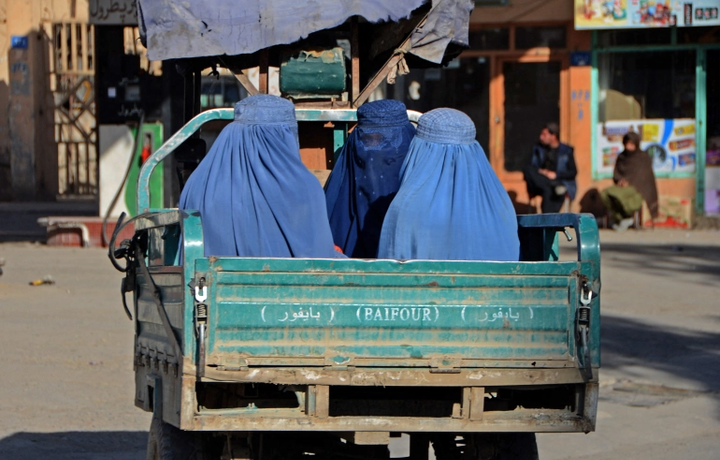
(367, 176)
(255, 196)
(450, 205)
(634, 182)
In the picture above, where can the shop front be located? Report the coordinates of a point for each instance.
(656, 74)
(598, 72)
(521, 72)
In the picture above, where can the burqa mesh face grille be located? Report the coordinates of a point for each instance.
(367, 176)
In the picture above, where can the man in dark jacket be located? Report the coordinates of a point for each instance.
(551, 171)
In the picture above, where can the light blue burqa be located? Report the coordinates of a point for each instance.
(255, 196)
(451, 204)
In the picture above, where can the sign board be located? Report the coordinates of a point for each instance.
(113, 12)
(670, 142)
(19, 42)
(621, 14)
(580, 58)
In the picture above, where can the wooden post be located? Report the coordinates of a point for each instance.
(355, 53)
(247, 84)
(322, 401)
(264, 71)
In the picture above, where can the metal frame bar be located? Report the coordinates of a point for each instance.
(594, 106)
(700, 127)
(143, 187)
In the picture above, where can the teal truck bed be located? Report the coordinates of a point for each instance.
(367, 347)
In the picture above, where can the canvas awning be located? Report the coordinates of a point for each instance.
(199, 28)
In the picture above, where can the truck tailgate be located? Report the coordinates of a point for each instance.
(295, 312)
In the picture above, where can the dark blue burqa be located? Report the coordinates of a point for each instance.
(450, 205)
(367, 176)
(255, 196)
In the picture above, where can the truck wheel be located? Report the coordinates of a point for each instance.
(165, 442)
(505, 446)
(485, 446)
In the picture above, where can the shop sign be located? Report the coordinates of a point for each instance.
(671, 143)
(620, 14)
(113, 12)
(19, 42)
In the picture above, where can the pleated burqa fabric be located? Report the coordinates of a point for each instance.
(450, 205)
(366, 176)
(255, 196)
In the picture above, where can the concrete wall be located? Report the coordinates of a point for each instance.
(524, 11)
(28, 154)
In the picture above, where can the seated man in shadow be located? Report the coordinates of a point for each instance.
(634, 183)
(551, 171)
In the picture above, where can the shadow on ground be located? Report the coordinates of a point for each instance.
(687, 354)
(109, 445)
(666, 260)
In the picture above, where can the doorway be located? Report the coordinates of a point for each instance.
(712, 155)
(463, 85)
(532, 99)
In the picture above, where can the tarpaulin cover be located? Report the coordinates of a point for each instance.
(366, 176)
(450, 205)
(447, 22)
(255, 196)
(197, 28)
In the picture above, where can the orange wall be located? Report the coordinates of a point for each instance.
(579, 129)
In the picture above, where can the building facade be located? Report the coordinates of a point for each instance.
(596, 73)
(531, 63)
(47, 107)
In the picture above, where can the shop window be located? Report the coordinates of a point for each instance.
(222, 90)
(540, 37)
(463, 85)
(634, 37)
(653, 94)
(659, 84)
(532, 92)
(695, 35)
(490, 39)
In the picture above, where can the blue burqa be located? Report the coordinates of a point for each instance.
(450, 205)
(255, 196)
(367, 176)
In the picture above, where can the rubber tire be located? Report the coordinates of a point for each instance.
(485, 446)
(166, 442)
(505, 446)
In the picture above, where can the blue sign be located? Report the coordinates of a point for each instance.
(19, 42)
(580, 58)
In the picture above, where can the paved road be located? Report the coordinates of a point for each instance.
(660, 380)
(66, 387)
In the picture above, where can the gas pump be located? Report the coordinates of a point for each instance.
(129, 94)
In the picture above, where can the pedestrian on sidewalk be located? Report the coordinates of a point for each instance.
(634, 183)
(551, 171)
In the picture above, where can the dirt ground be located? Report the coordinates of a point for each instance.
(66, 386)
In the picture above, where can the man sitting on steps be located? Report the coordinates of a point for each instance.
(551, 171)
